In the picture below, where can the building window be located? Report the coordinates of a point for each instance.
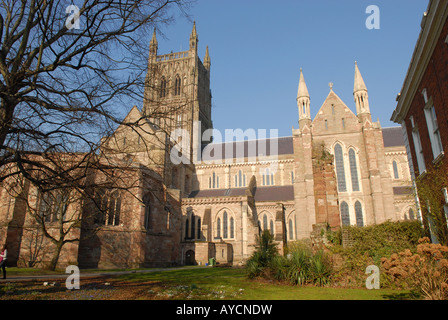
(265, 222)
(109, 207)
(271, 227)
(163, 88)
(418, 147)
(411, 214)
(53, 205)
(359, 215)
(240, 179)
(291, 231)
(193, 226)
(292, 177)
(218, 228)
(353, 170)
(199, 229)
(213, 181)
(268, 178)
(179, 121)
(434, 133)
(147, 217)
(345, 214)
(396, 172)
(225, 226)
(177, 86)
(340, 170)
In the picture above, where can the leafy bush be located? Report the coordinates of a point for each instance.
(369, 245)
(300, 266)
(262, 257)
(425, 271)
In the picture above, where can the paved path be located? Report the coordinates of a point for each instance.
(87, 274)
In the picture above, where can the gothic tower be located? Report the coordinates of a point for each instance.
(177, 92)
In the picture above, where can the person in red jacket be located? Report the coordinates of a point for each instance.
(3, 258)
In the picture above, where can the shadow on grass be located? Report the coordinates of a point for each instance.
(401, 296)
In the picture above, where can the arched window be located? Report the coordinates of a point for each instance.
(411, 214)
(213, 181)
(187, 226)
(268, 178)
(147, 217)
(177, 86)
(225, 233)
(218, 228)
(271, 227)
(291, 231)
(395, 167)
(353, 170)
(340, 170)
(232, 228)
(163, 88)
(199, 229)
(240, 179)
(53, 205)
(265, 222)
(193, 226)
(109, 207)
(345, 215)
(358, 213)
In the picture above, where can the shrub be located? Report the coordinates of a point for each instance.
(425, 271)
(369, 245)
(266, 251)
(300, 266)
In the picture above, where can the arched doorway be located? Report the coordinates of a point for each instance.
(189, 258)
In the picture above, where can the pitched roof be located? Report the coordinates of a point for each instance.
(393, 137)
(239, 149)
(272, 193)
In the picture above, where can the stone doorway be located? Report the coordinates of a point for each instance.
(190, 258)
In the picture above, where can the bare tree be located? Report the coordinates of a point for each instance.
(64, 73)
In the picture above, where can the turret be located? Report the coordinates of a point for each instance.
(303, 103)
(360, 93)
(207, 62)
(194, 39)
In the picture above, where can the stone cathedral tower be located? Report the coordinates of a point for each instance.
(177, 91)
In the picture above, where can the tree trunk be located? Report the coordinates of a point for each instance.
(56, 254)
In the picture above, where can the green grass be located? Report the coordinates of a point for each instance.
(222, 283)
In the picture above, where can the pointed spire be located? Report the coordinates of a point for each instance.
(194, 34)
(303, 102)
(360, 94)
(303, 90)
(153, 45)
(207, 62)
(359, 82)
(194, 38)
(154, 37)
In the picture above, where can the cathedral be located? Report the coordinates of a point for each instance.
(195, 198)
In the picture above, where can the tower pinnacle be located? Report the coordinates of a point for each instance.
(360, 93)
(303, 102)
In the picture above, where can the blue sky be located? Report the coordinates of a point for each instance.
(257, 48)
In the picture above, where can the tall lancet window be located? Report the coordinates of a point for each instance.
(177, 85)
(340, 170)
(358, 213)
(345, 214)
(353, 170)
(163, 88)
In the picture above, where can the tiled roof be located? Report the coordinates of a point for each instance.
(393, 137)
(273, 193)
(284, 146)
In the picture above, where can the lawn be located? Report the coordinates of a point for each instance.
(184, 284)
